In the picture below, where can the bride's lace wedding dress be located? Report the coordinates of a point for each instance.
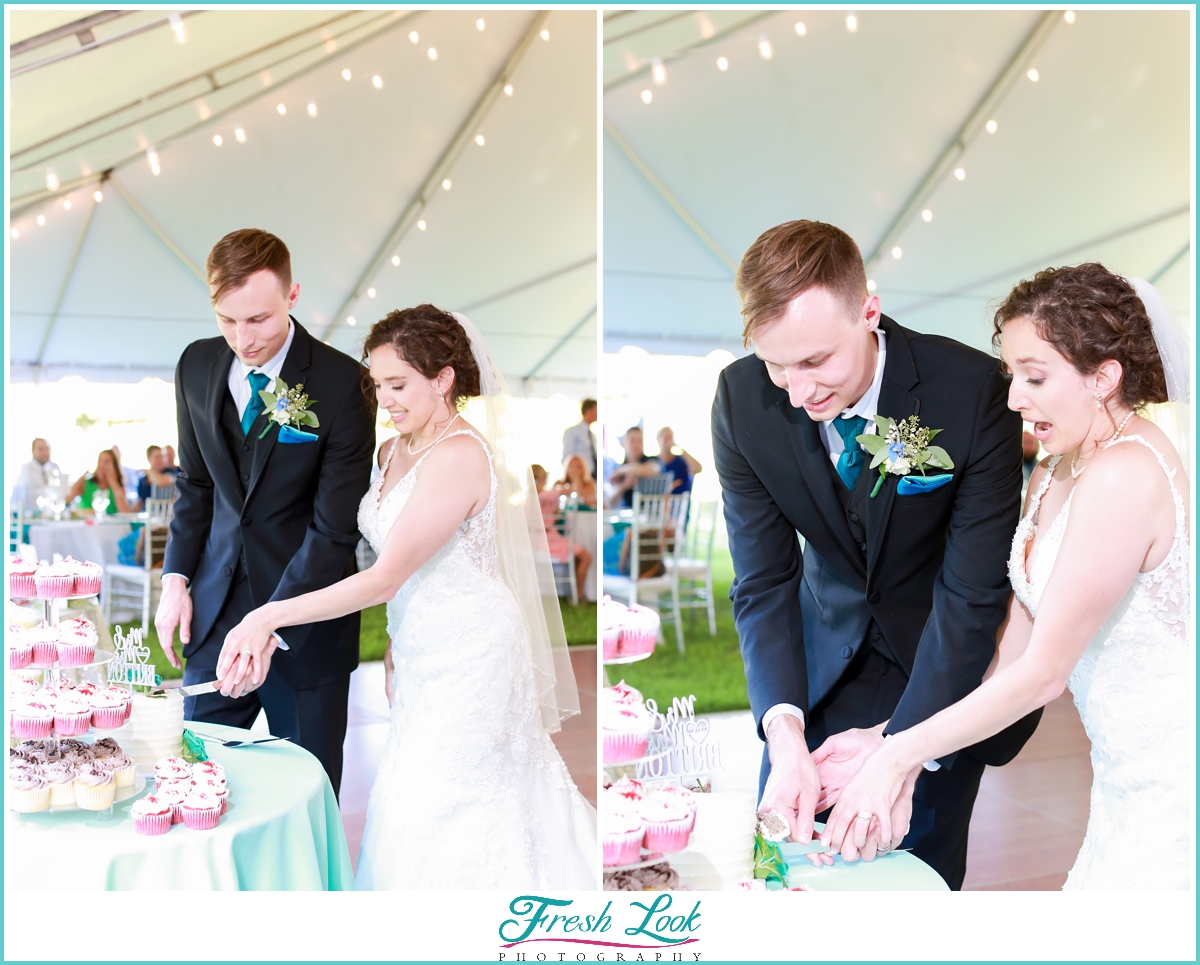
(471, 792)
(1134, 687)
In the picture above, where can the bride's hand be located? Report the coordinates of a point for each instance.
(875, 790)
(246, 655)
(389, 674)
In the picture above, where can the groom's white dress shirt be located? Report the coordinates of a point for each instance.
(239, 388)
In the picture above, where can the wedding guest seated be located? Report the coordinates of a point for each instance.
(159, 474)
(559, 545)
(33, 477)
(129, 477)
(107, 477)
(681, 464)
(576, 479)
(171, 465)
(637, 465)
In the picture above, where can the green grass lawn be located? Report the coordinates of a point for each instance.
(711, 668)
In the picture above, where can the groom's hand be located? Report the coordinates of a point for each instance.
(794, 784)
(174, 610)
(840, 757)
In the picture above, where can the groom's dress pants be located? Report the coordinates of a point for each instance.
(314, 718)
(865, 696)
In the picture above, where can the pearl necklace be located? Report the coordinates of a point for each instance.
(413, 452)
(1075, 474)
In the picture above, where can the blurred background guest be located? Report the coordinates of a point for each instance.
(558, 542)
(158, 475)
(576, 479)
(579, 441)
(106, 478)
(129, 477)
(637, 465)
(171, 466)
(1030, 450)
(35, 476)
(682, 464)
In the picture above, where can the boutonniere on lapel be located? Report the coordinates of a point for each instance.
(288, 408)
(903, 447)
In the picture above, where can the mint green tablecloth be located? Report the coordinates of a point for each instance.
(898, 871)
(282, 832)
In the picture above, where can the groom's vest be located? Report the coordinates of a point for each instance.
(241, 448)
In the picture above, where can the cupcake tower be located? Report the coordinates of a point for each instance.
(69, 773)
(62, 708)
(627, 633)
(635, 817)
(63, 580)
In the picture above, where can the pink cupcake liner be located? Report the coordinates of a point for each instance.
(72, 725)
(108, 718)
(45, 653)
(34, 728)
(667, 835)
(76, 654)
(612, 640)
(201, 819)
(623, 848)
(54, 587)
(152, 823)
(634, 642)
(22, 585)
(87, 585)
(624, 747)
(19, 657)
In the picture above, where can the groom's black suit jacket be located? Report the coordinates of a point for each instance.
(931, 570)
(284, 514)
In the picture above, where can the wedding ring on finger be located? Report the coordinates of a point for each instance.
(864, 816)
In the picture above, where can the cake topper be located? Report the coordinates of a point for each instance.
(681, 740)
(129, 664)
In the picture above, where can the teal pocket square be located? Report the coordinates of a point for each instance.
(911, 485)
(288, 435)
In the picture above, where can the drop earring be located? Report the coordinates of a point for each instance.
(1099, 401)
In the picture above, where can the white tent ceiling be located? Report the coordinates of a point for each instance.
(1090, 161)
(512, 241)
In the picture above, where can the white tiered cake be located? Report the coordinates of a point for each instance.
(155, 729)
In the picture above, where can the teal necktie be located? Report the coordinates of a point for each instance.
(850, 462)
(258, 382)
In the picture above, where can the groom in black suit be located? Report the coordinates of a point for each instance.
(889, 611)
(268, 515)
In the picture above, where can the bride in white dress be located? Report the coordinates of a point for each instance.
(471, 792)
(1101, 584)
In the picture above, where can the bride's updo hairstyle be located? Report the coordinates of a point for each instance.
(428, 339)
(1089, 315)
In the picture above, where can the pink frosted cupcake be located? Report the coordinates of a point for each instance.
(172, 796)
(628, 790)
(95, 788)
(33, 719)
(151, 815)
(623, 833)
(72, 715)
(622, 693)
(668, 824)
(208, 768)
(20, 649)
(75, 651)
(639, 631)
(88, 577)
(201, 810)
(626, 733)
(611, 615)
(44, 639)
(55, 581)
(108, 712)
(167, 773)
(86, 689)
(21, 582)
(124, 696)
(677, 795)
(215, 786)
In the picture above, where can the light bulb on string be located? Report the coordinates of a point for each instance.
(508, 90)
(98, 196)
(764, 48)
(218, 140)
(177, 28)
(479, 140)
(852, 23)
(545, 34)
(370, 292)
(240, 134)
(927, 215)
(1033, 74)
(432, 53)
(282, 108)
(647, 97)
(312, 109)
(414, 37)
(1069, 16)
(66, 204)
(722, 64)
(152, 158)
(800, 28)
(991, 127)
(351, 321)
(377, 81)
(346, 74)
(51, 180)
(421, 224)
(41, 220)
(960, 173)
(479, 24)
(870, 284)
(897, 252)
(396, 261)
(16, 232)
(446, 184)
(658, 71)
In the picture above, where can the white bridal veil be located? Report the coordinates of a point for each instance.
(522, 549)
(1175, 416)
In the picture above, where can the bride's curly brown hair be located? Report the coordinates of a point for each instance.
(1089, 315)
(428, 339)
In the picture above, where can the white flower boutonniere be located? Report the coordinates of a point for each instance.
(288, 407)
(903, 447)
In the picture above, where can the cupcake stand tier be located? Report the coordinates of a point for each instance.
(650, 858)
(634, 658)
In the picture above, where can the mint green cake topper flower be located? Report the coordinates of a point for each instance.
(903, 447)
(288, 407)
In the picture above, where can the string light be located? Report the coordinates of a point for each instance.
(960, 173)
(446, 185)
(351, 321)
(41, 220)
(658, 71)
(67, 204)
(99, 196)
(217, 140)
(764, 48)
(800, 28)
(370, 292)
(927, 216)
(312, 109)
(432, 53)
(282, 108)
(240, 134)
(414, 37)
(377, 81)
(722, 64)
(346, 74)
(421, 224)
(16, 233)
(991, 127)
(479, 24)
(51, 180)
(177, 28)
(152, 157)
(508, 89)
(479, 140)
(1069, 16)
(852, 23)
(647, 97)
(1032, 74)
(897, 252)
(870, 285)
(545, 34)
(396, 260)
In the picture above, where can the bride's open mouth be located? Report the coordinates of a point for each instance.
(1041, 430)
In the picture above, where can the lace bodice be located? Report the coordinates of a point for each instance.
(1135, 691)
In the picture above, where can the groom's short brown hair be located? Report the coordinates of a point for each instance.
(240, 254)
(791, 258)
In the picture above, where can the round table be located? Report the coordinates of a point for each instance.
(281, 832)
(81, 539)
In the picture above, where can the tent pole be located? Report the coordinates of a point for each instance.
(672, 202)
(1170, 263)
(439, 170)
(162, 235)
(66, 283)
(526, 285)
(560, 343)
